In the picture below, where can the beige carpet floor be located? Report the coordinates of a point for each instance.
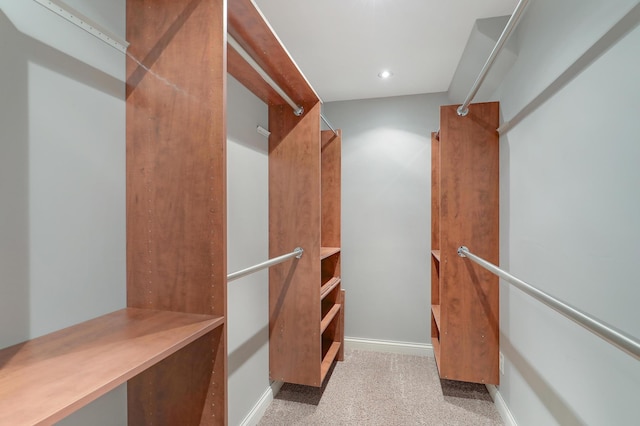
(373, 388)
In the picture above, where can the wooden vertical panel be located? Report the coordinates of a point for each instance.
(435, 217)
(294, 220)
(331, 199)
(176, 190)
(469, 155)
(340, 336)
(435, 191)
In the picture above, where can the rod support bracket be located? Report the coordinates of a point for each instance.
(461, 251)
(300, 251)
(299, 111)
(462, 111)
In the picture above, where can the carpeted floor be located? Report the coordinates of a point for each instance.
(373, 388)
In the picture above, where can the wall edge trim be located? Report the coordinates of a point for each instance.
(255, 414)
(501, 405)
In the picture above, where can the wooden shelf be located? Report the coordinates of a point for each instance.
(328, 286)
(328, 251)
(435, 309)
(45, 379)
(328, 359)
(329, 317)
(436, 254)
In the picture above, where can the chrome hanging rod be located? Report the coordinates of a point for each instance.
(297, 253)
(618, 338)
(328, 124)
(76, 18)
(619, 30)
(506, 33)
(297, 109)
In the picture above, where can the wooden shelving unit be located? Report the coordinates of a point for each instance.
(464, 211)
(331, 293)
(176, 200)
(47, 378)
(306, 302)
(169, 344)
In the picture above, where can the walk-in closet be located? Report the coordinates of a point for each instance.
(354, 212)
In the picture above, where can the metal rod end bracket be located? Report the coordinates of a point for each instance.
(298, 112)
(300, 251)
(462, 250)
(462, 111)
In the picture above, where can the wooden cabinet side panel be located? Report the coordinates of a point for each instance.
(294, 220)
(331, 198)
(176, 161)
(469, 156)
(435, 217)
(176, 196)
(435, 192)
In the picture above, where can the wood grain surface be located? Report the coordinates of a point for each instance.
(176, 194)
(45, 379)
(469, 209)
(294, 220)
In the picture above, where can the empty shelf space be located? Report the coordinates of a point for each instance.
(435, 309)
(436, 254)
(329, 317)
(328, 359)
(47, 378)
(328, 251)
(328, 286)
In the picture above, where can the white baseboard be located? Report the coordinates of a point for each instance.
(405, 348)
(501, 405)
(258, 410)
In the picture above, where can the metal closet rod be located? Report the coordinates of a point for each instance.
(297, 253)
(506, 33)
(621, 340)
(297, 109)
(328, 124)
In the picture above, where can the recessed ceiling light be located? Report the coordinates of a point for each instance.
(385, 74)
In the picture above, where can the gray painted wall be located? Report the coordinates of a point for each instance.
(248, 244)
(386, 211)
(569, 217)
(62, 180)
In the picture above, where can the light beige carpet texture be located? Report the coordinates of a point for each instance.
(373, 388)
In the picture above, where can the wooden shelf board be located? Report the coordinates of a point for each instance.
(47, 378)
(436, 254)
(329, 317)
(435, 309)
(328, 286)
(328, 359)
(328, 251)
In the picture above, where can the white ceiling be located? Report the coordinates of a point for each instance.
(341, 45)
